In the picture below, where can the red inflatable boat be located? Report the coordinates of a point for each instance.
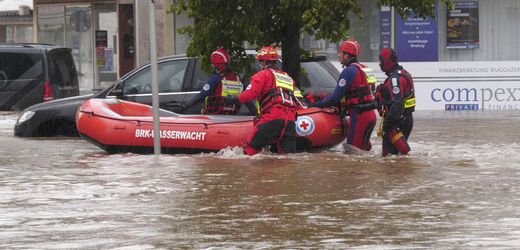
(121, 126)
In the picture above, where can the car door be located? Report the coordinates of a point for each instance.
(171, 75)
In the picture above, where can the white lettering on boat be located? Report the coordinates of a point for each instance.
(171, 134)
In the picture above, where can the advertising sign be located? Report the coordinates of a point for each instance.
(101, 44)
(386, 27)
(479, 85)
(417, 38)
(461, 86)
(459, 96)
(463, 25)
(101, 38)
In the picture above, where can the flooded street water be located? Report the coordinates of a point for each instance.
(458, 189)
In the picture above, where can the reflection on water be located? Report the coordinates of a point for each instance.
(458, 189)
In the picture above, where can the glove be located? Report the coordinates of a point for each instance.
(314, 105)
(360, 108)
(252, 108)
(231, 100)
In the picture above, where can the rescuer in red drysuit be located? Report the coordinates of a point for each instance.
(274, 90)
(396, 98)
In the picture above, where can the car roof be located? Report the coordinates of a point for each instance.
(179, 56)
(30, 46)
(314, 58)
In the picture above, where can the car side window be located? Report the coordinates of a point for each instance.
(170, 75)
(199, 78)
(16, 66)
(62, 69)
(313, 74)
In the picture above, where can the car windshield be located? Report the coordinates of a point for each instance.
(316, 74)
(17, 66)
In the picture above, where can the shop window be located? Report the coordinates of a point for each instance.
(51, 23)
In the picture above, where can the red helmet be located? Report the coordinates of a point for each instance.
(350, 46)
(267, 53)
(220, 56)
(387, 59)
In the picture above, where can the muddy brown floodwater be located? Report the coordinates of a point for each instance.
(458, 189)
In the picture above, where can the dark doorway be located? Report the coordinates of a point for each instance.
(126, 38)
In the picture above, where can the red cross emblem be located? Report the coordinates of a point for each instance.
(304, 125)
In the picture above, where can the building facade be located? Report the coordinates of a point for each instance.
(475, 30)
(464, 58)
(108, 37)
(16, 25)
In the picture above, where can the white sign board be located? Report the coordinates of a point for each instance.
(481, 85)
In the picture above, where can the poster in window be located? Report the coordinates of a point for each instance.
(417, 38)
(463, 23)
(101, 44)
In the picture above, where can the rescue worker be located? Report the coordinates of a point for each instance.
(274, 90)
(352, 91)
(397, 100)
(223, 82)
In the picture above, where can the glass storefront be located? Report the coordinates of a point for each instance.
(75, 26)
(107, 63)
(78, 36)
(51, 24)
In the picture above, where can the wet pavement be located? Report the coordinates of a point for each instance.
(458, 189)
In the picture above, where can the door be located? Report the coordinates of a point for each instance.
(62, 73)
(107, 63)
(126, 38)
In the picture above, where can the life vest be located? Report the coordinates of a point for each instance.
(301, 103)
(371, 78)
(408, 91)
(360, 92)
(215, 104)
(281, 92)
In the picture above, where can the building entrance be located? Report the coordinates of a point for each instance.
(105, 45)
(91, 30)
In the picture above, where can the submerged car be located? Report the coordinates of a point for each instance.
(180, 78)
(35, 73)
